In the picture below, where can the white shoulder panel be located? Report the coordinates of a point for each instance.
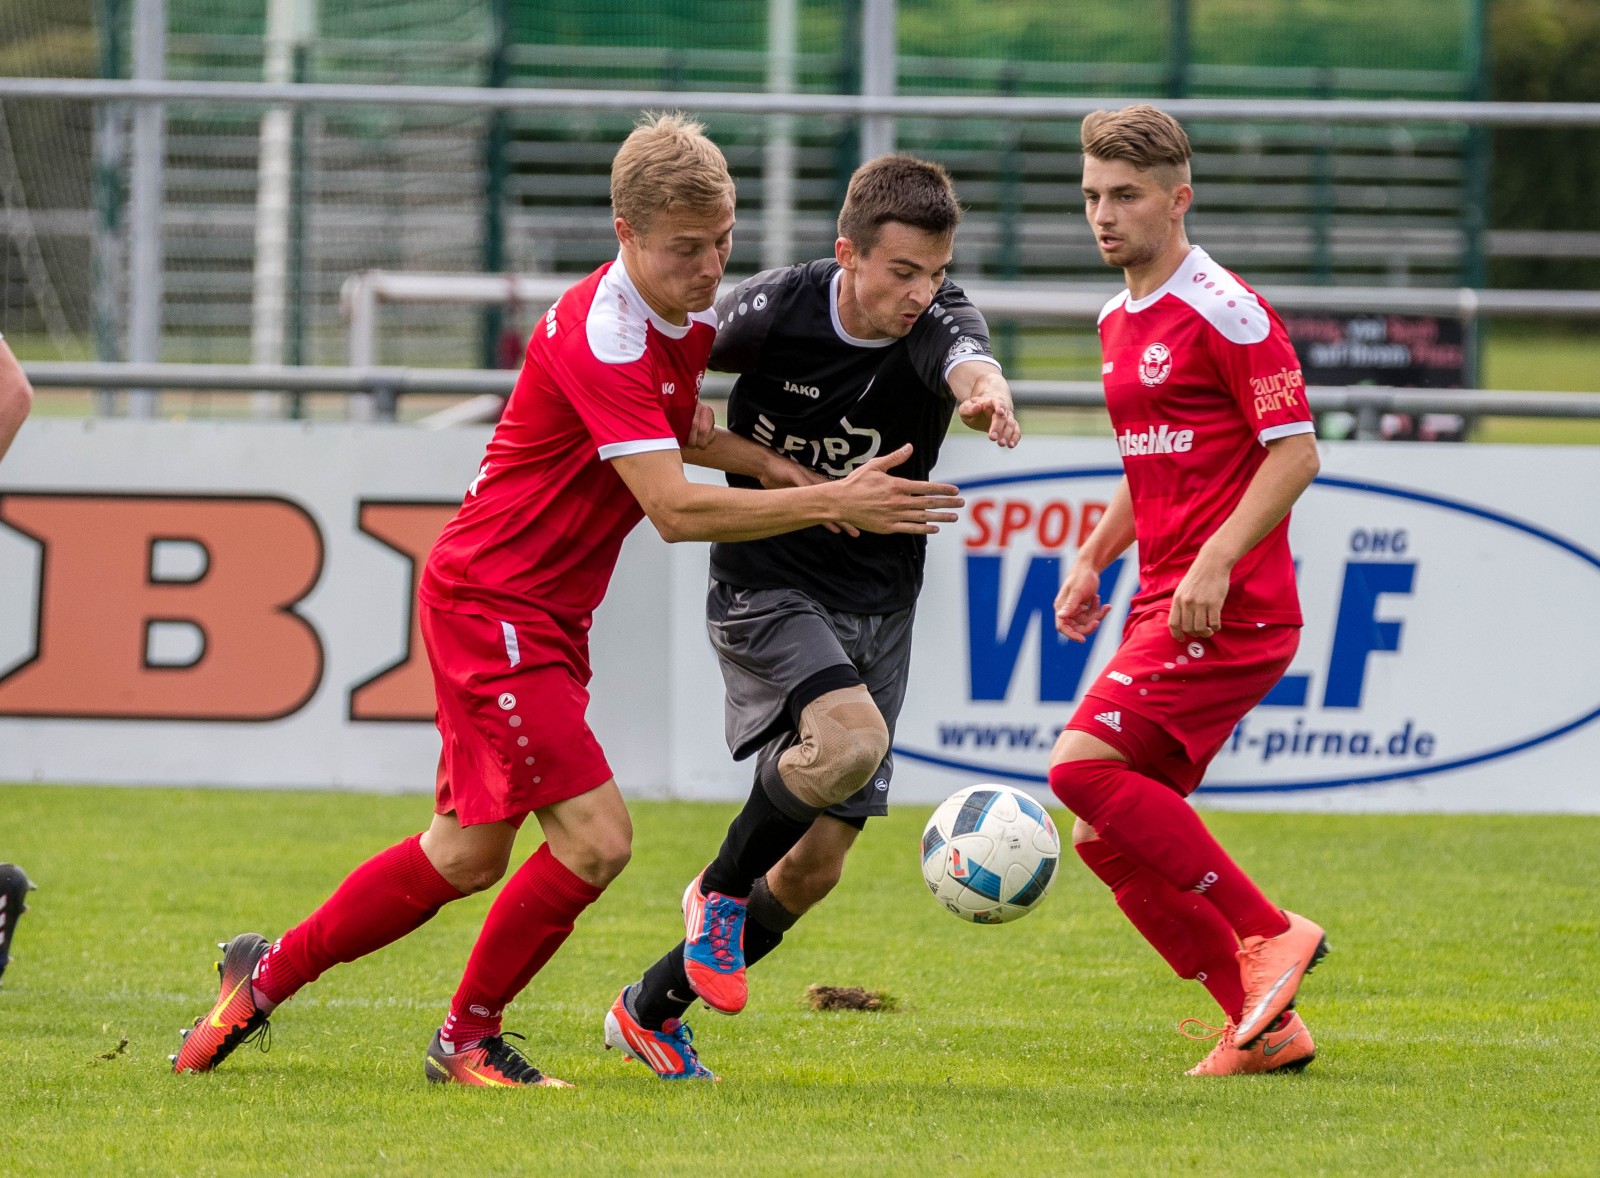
(1234, 311)
(616, 328)
(1112, 304)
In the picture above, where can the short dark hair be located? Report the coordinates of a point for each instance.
(897, 188)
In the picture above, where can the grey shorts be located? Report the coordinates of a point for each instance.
(771, 642)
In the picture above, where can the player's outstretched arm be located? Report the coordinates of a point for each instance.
(727, 451)
(1290, 465)
(870, 499)
(1079, 610)
(16, 397)
(983, 399)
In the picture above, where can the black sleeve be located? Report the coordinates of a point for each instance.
(744, 317)
(950, 329)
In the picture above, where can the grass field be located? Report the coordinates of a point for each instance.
(1455, 1020)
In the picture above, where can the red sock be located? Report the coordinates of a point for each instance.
(530, 918)
(1184, 928)
(1153, 826)
(385, 898)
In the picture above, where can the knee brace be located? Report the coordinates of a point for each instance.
(843, 739)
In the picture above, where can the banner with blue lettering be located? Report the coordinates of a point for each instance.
(1448, 658)
(232, 604)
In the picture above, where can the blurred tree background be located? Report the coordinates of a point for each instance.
(1546, 178)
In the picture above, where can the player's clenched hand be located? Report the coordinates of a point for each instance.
(994, 416)
(703, 428)
(1197, 602)
(874, 500)
(1078, 608)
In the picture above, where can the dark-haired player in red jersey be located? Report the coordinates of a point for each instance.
(589, 444)
(1208, 404)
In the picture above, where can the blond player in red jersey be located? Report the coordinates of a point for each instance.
(1208, 404)
(592, 440)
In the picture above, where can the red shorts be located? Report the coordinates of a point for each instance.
(1170, 706)
(511, 715)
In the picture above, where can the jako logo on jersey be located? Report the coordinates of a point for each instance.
(1112, 720)
(1155, 439)
(668, 388)
(802, 390)
(1206, 881)
(1156, 364)
(1118, 676)
(1278, 390)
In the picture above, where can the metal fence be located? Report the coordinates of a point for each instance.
(375, 392)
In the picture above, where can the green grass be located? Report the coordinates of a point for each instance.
(1455, 1019)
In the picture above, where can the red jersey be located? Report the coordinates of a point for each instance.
(1199, 376)
(538, 534)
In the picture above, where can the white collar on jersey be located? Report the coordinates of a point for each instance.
(624, 281)
(838, 327)
(1220, 298)
(1197, 259)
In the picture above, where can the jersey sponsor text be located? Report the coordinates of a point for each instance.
(1155, 439)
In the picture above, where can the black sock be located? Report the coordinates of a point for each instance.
(773, 820)
(664, 991)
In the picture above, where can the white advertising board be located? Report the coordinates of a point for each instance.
(230, 604)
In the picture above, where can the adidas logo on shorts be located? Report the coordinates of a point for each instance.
(1112, 720)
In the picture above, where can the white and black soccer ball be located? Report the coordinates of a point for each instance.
(989, 854)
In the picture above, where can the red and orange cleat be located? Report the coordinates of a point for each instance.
(235, 1018)
(1272, 969)
(493, 1063)
(669, 1052)
(1285, 1046)
(713, 948)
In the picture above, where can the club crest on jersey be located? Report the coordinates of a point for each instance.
(1156, 364)
(965, 346)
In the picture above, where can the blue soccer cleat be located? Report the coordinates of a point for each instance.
(713, 948)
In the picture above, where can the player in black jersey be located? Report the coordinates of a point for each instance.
(838, 361)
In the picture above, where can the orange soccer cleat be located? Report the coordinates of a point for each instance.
(493, 1063)
(713, 947)
(235, 1018)
(1272, 969)
(1285, 1046)
(669, 1052)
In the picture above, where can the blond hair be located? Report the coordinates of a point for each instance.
(1147, 138)
(667, 163)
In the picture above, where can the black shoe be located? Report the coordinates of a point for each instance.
(14, 888)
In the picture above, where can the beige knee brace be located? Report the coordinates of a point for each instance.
(842, 740)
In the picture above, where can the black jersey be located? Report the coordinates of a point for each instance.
(831, 402)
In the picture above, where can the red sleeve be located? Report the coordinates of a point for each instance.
(1264, 378)
(618, 403)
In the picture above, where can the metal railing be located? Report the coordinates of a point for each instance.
(376, 391)
(1028, 302)
(924, 106)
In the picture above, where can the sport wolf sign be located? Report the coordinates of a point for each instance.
(1448, 659)
(233, 604)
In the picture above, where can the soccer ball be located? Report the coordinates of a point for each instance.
(989, 853)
